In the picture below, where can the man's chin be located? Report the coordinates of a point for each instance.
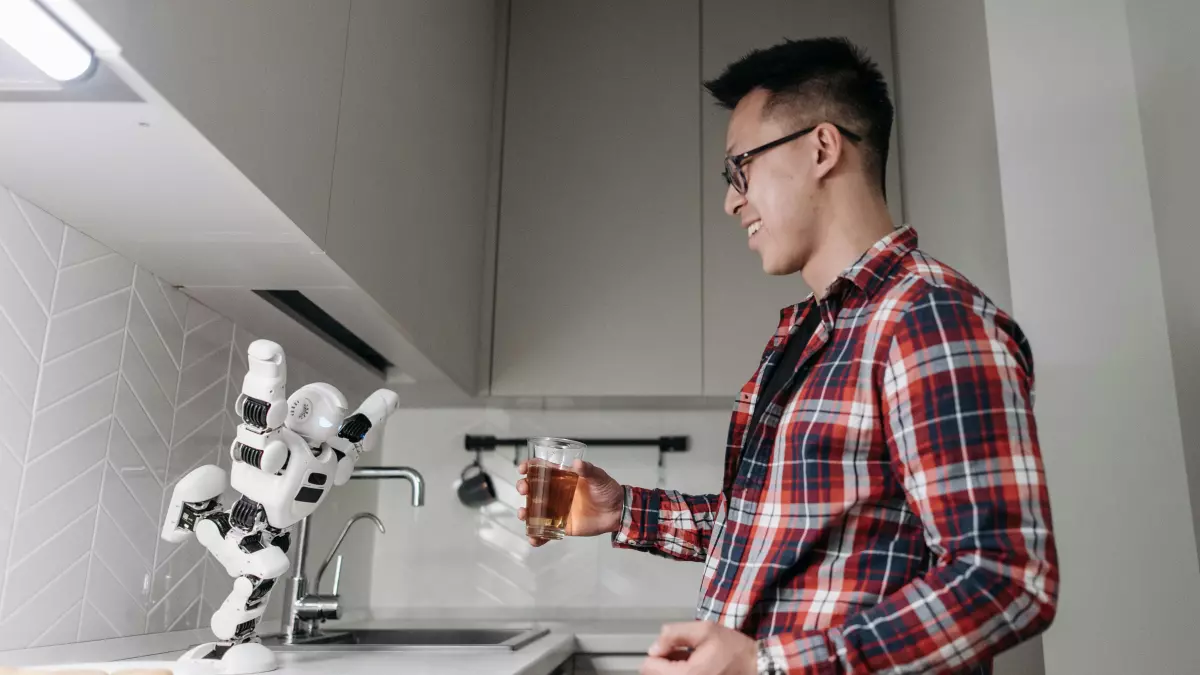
(777, 269)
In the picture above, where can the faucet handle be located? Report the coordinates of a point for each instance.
(337, 574)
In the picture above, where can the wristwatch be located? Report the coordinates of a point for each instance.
(766, 664)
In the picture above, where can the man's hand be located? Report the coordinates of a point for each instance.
(701, 648)
(596, 508)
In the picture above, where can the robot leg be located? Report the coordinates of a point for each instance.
(256, 560)
(235, 625)
(238, 616)
(241, 553)
(194, 499)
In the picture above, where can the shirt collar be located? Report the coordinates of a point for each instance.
(872, 268)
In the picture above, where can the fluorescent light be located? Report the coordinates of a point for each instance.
(39, 37)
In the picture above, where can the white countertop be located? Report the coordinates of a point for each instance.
(538, 658)
(584, 630)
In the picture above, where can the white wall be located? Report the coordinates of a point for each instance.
(113, 385)
(1166, 68)
(949, 167)
(950, 173)
(1086, 286)
(447, 555)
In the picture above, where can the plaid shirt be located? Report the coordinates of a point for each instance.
(890, 514)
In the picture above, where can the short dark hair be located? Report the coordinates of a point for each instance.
(819, 80)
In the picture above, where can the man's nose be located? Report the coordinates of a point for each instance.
(734, 201)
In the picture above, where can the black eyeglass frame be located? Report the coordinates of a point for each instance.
(734, 164)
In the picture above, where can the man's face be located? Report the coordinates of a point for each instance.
(778, 211)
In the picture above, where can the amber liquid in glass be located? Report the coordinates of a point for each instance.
(551, 490)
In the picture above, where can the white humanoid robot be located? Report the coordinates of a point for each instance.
(287, 455)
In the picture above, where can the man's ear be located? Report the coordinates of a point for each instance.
(829, 148)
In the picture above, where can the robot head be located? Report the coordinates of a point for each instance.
(315, 411)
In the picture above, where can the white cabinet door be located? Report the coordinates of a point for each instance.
(742, 303)
(598, 271)
(410, 180)
(259, 79)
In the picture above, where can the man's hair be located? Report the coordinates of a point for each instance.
(818, 80)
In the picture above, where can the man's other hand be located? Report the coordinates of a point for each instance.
(701, 648)
(596, 508)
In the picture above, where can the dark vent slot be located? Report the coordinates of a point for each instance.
(309, 495)
(296, 305)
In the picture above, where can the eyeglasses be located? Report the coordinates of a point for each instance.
(734, 173)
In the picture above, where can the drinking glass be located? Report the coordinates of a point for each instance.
(552, 481)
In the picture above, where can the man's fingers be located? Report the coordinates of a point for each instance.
(521, 513)
(534, 541)
(522, 486)
(523, 467)
(656, 666)
(674, 636)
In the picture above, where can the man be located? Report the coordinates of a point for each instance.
(884, 507)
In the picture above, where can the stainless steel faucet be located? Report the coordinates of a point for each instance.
(303, 611)
(408, 473)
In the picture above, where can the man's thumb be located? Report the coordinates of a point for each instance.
(587, 470)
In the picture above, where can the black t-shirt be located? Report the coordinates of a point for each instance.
(787, 364)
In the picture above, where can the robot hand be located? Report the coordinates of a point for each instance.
(348, 444)
(263, 401)
(263, 409)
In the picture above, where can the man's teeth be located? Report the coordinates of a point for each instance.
(754, 227)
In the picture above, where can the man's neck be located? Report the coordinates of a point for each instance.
(852, 225)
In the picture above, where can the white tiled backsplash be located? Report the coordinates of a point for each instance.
(448, 555)
(113, 385)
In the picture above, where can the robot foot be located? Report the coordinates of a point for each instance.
(195, 498)
(235, 659)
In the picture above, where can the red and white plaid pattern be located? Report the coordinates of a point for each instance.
(891, 514)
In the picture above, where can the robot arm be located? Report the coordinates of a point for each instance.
(348, 442)
(262, 405)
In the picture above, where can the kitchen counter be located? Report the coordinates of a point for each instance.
(582, 631)
(539, 658)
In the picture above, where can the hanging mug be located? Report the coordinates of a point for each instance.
(476, 488)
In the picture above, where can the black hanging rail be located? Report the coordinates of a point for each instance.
(663, 443)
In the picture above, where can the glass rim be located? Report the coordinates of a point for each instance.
(556, 442)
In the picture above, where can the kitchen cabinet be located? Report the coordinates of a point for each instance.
(411, 177)
(368, 123)
(260, 80)
(742, 303)
(598, 263)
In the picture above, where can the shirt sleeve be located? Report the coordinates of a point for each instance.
(666, 523)
(956, 404)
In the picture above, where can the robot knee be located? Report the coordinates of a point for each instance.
(200, 485)
(193, 500)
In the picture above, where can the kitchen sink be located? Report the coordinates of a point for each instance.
(405, 639)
